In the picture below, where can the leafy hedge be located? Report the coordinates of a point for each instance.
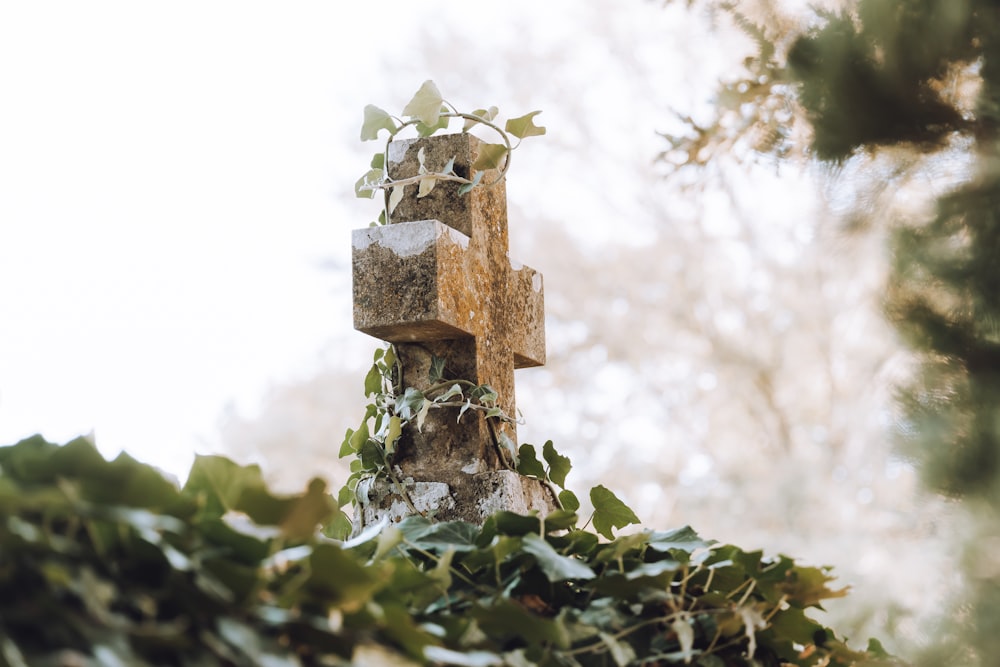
(110, 564)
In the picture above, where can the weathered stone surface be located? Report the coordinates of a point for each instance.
(411, 284)
(482, 495)
(438, 282)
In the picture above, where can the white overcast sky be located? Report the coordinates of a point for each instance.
(173, 177)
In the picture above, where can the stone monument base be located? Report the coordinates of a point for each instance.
(482, 495)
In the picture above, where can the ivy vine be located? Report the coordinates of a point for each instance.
(428, 113)
(392, 408)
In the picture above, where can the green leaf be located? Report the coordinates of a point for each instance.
(345, 495)
(555, 566)
(454, 391)
(610, 512)
(346, 449)
(426, 186)
(524, 126)
(359, 437)
(620, 547)
(505, 619)
(491, 156)
(560, 520)
(409, 404)
(450, 535)
(340, 580)
(388, 540)
(372, 455)
(366, 186)
(376, 119)
(485, 114)
(436, 373)
(373, 381)
(807, 586)
(685, 635)
(506, 443)
(297, 516)
(395, 196)
(684, 539)
(392, 435)
(568, 500)
(424, 130)
(219, 483)
(621, 652)
(426, 104)
(528, 463)
(559, 465)
(465, 188)
(511, 523)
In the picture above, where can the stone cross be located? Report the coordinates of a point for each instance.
(438, 283)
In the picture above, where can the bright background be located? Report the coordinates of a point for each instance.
(173, 181)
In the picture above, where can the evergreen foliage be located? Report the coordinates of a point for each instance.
(108, 563)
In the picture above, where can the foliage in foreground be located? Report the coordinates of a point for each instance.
(108, 563)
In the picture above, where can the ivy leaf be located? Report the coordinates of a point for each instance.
(511, 523)
(389, 358)
(560, 520)
(621, 652)
(491, 156)
(372, 455)
(453, 391)
(309, 511)
(409, 404)
(346, 448)
(684, 539)
(359, 437)
(507, 619)
(529, 465)
(395, 196)
(426, 104)
(467, 187)
(395, 430)
(436, 372)
(366, 186)
(422, 415)
(685, 636)
(555, 566)
(388, 539)
(559, 465)
(426, 185)
(610, 512)
(424, 130)
(506, 444)
(568, 500)
(807, 586)
(524, 126)
(376, 119)
(373, 381)
(485, 114)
